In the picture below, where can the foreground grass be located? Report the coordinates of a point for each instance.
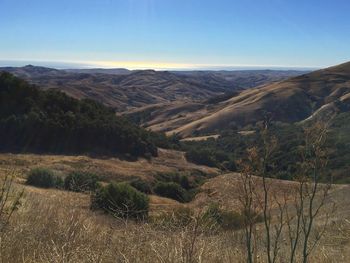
(58, 226)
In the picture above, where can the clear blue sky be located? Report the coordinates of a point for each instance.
(176, 33)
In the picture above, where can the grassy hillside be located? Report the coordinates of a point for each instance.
(55, 225)
(107, 169)
(318, 93)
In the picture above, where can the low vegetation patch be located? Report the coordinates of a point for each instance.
(231, 146)
(177, 186)
(121, 200)
(142, 186)
(209, 155)
(42, 177)
(171, 190)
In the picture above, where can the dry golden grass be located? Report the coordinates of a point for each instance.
(225, 190)
(58, 226)
(107, 168)
(201, 138)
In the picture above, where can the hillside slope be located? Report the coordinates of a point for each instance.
(296, 99)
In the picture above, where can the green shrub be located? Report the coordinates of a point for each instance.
(229, 165)
(179, 178)
(168, 177)
(43, 177)
(59, 182)
(142, 186)
(202, 157)
(171, 190)
(80, 181)
(177, 185)
(122, 200)
(184, 182)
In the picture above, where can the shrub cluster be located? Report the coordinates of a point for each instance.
(209, 156)
(176, 186)
(42, 177)
(142, 186)
(181, 179)
(171, 190)
(121, 200)
(231, 145)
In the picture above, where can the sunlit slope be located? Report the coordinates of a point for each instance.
(292, 100)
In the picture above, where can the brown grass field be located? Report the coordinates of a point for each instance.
(107, 168)
(58, 226)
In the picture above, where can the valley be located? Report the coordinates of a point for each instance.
(180, 166)
(150, 131)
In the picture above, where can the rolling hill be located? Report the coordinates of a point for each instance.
(126, 90)
(316, 94)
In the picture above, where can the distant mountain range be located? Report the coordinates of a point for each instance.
(203, 102)
(318, 94)
(113, 71)
(126, 90)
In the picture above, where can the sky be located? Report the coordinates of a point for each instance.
(175, 34)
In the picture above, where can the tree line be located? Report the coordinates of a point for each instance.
(33, 120)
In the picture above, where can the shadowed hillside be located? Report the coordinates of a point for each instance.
(32, 120)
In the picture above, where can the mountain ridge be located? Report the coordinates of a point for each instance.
(135, 89)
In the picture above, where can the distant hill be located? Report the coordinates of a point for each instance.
(33, 120)
(243, 79)
(127, 90)
(113, 71)
(317, 94)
